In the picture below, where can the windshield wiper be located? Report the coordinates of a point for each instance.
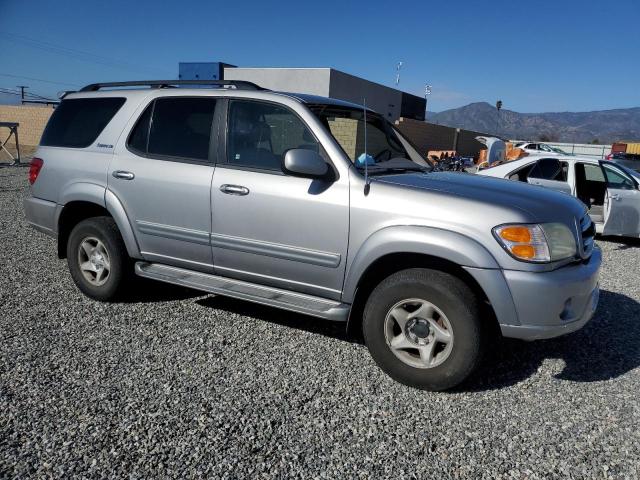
(397, 164)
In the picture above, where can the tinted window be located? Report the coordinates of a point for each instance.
(76, 123)
(140, 133)
(522, 173)
(550, 169)
(181, 127)
(260, 134)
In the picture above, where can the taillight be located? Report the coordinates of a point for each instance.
(34, 169)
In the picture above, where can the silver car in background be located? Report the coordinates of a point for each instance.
(312, 205)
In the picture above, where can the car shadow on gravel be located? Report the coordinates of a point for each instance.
(150, 291)
(624, 243)
(606, 348)
(284, 318)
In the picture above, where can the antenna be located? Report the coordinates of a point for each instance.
(367, 184)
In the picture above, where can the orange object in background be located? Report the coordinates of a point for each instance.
(438, 153)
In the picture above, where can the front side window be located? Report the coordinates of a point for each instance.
(177, 127)
(616, 179)
(77, 122)
(260, 134)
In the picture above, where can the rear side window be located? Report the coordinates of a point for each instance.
(550, 169)
(140, 133)
(178, 127)
(181, 127)
(76, 123)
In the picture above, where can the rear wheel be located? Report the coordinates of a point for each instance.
(97, 258)
(423, 329)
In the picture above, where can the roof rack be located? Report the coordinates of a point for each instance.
(237, 84)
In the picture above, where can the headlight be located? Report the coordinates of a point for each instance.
(546, 242)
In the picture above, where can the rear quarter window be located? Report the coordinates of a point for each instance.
(76, 123)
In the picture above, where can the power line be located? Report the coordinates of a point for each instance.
(75, 54)
(26, 95)
(39, 80)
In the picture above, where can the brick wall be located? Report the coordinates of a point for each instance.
(429, 136)
(32, 120)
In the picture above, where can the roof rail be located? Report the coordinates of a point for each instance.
(237, 84)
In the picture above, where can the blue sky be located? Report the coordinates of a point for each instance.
(561, 55)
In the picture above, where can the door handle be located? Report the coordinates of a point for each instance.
(121, 174)
(615, 196)
(234, 189)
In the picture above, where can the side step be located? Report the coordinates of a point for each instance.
(274, 297)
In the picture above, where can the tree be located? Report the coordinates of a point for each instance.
(595, 141)
(547, 137)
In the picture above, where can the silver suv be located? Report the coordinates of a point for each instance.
(312, 205)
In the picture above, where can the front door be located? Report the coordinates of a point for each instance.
(622, 203)
(272, 228)
(162, 176)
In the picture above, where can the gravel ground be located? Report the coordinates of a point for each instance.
(179, 384)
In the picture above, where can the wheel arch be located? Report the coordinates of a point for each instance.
(399, 248)
(77, 209)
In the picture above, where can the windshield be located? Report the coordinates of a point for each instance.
(385, 149)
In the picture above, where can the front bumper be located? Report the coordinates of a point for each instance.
(554, 303)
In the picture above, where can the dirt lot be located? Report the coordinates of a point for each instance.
(175, 383)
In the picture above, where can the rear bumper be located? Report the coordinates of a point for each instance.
(41, 214)
(554, 303)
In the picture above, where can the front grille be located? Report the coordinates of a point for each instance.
(587, 233)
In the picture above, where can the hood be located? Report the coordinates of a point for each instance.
(539, 203)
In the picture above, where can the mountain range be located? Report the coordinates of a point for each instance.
(604, 126)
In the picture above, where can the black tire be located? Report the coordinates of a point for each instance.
(105, 230)
(455, 300)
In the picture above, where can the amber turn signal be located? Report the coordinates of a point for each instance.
(516, 234)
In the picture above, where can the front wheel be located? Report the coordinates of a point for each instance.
(97, 258)
(423, 329)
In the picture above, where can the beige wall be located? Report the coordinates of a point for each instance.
(429, 136)
(32, 121)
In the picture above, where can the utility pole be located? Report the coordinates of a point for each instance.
(398, 67)
(498, 108)
(22, 89)
(427, 92)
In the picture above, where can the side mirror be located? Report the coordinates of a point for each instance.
(304, 163)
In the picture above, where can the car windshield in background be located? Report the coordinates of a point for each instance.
(385, 149)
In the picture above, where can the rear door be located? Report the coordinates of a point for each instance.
(162, 175)
(622, 203)
(550, 173)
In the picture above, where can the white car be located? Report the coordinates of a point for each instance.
(536, 148)
(610, 191)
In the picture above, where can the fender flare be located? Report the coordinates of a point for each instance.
(445, 244)
(99, 195)
(117, 211)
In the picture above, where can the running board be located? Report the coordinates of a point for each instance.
(274, 297)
